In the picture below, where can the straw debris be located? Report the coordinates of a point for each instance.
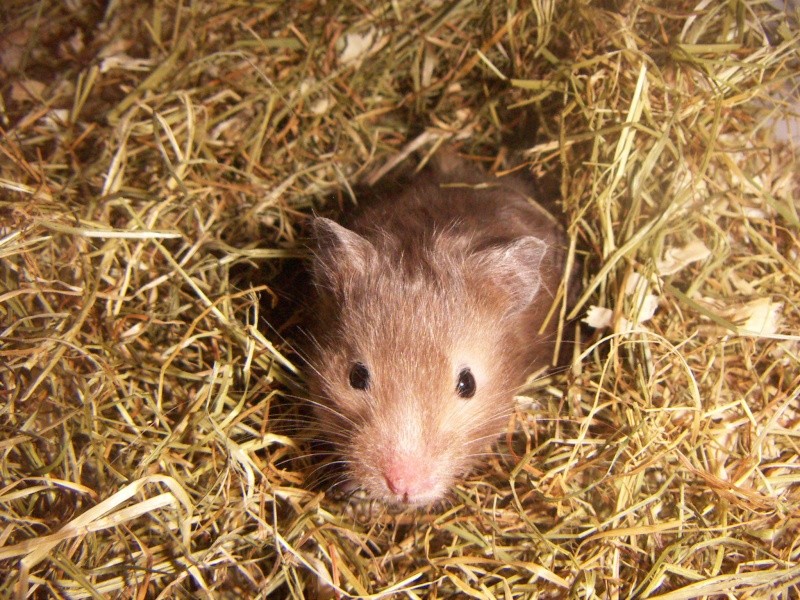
(158, 163)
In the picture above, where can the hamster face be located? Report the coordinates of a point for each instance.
(414, 389)
(410, 368)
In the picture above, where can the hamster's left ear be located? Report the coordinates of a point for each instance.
(516, 267)
(340, 254)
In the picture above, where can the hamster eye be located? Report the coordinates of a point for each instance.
(359, 376)
(465, 387)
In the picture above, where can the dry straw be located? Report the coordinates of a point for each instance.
(158, 162)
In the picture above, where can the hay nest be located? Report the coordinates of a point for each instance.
(158, 162)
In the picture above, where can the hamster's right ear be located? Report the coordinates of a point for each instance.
(339, 253)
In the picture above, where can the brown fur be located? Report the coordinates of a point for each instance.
(421, 285)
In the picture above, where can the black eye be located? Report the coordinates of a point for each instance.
(359, 377)
(465, 387)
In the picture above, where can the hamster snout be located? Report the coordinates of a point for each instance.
(428, 314)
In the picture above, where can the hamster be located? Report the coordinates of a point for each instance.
(427, 317)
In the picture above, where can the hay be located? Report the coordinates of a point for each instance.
(158, 163)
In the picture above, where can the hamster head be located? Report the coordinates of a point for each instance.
(415, 366)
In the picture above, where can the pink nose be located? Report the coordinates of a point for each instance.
(408, 477)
